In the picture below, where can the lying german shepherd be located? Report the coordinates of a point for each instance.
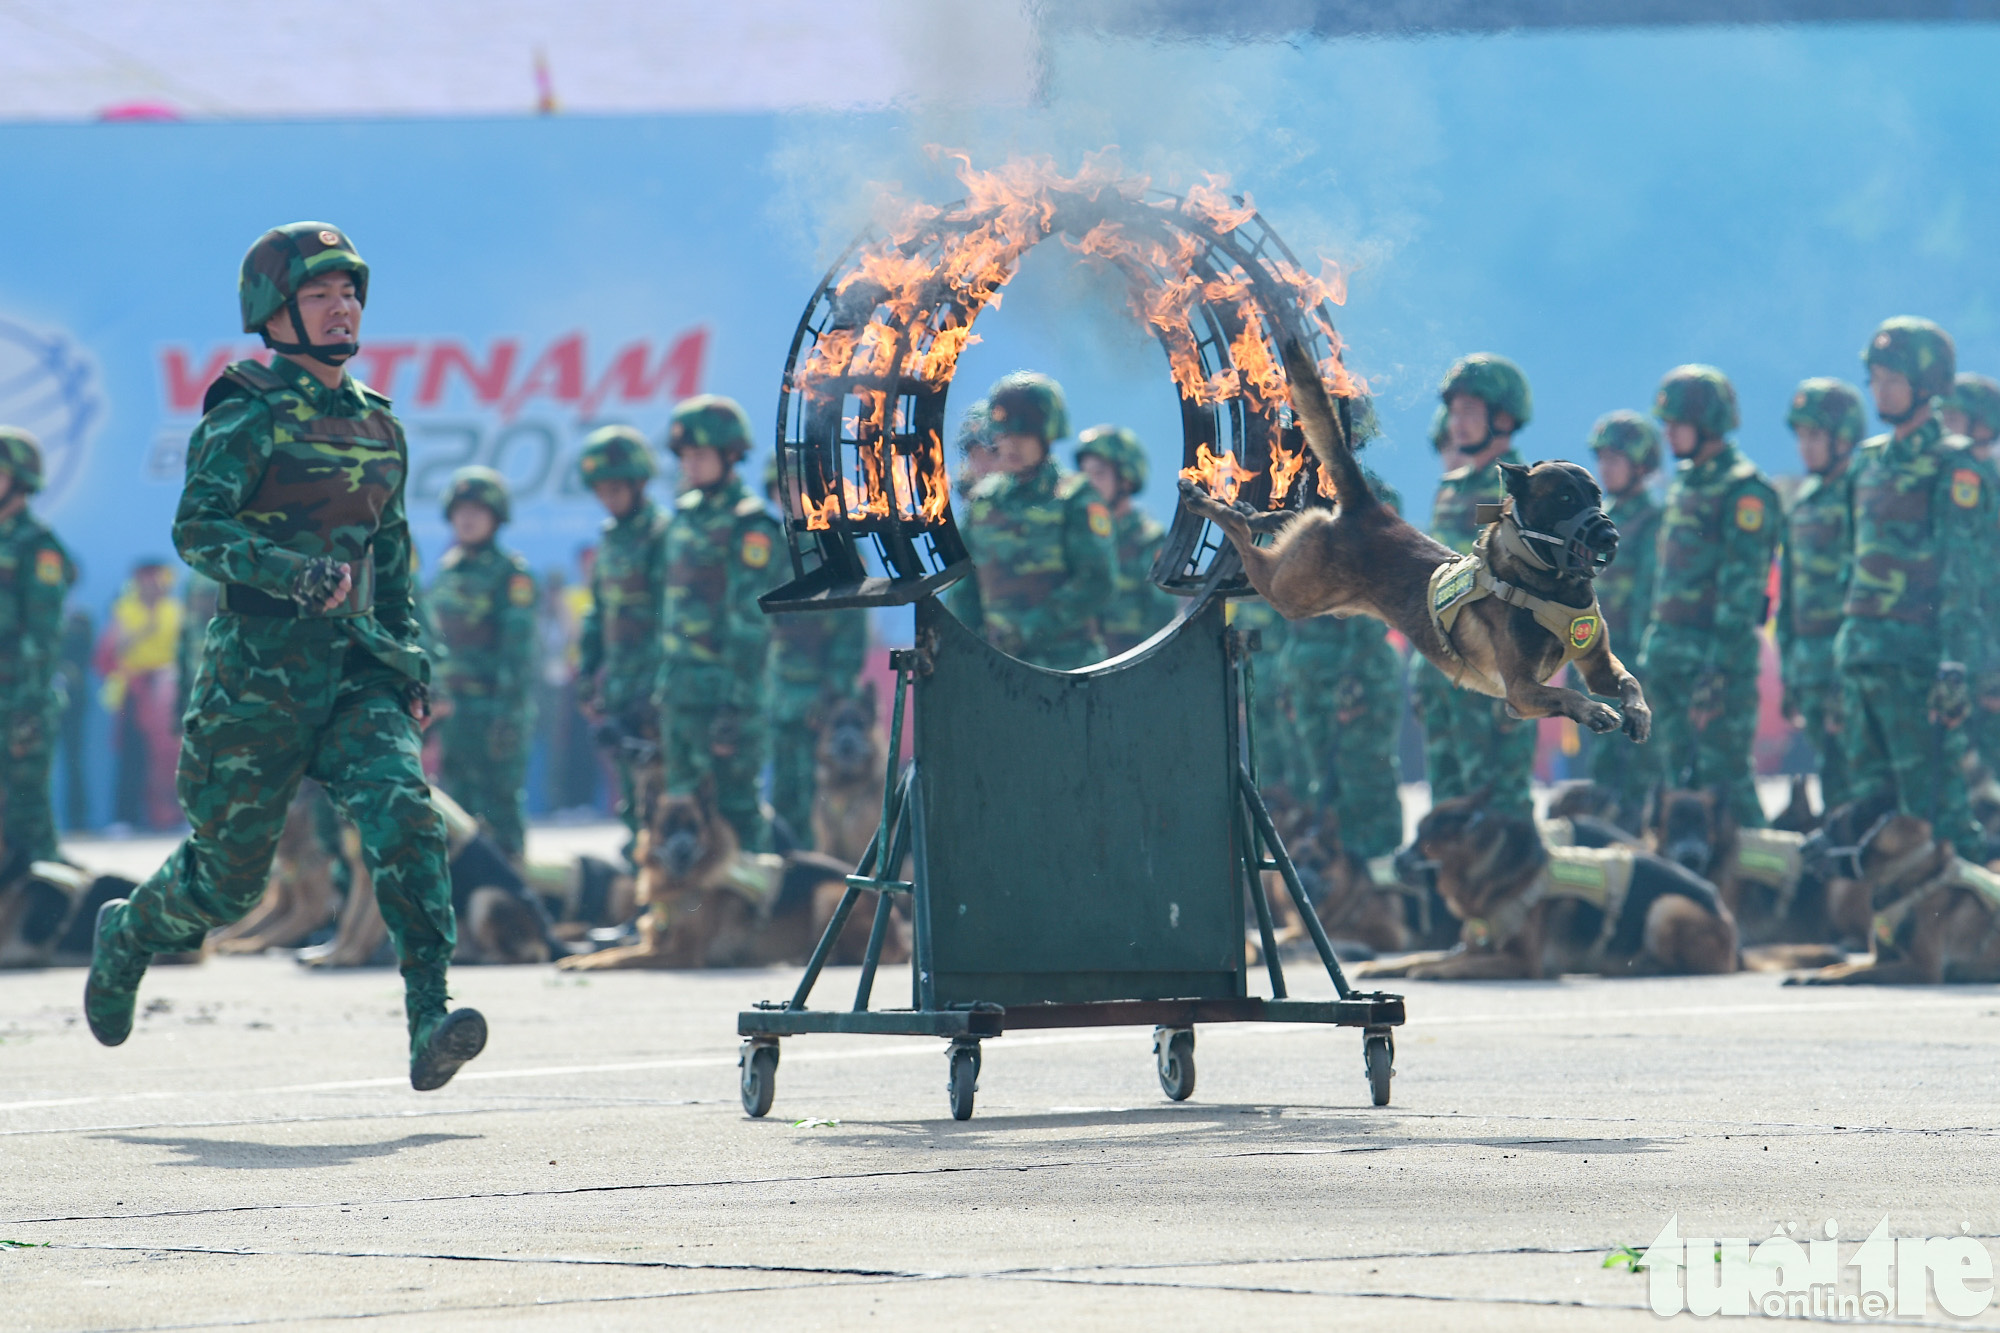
(1529, 911)
(1352, 900)
(1361, 558)
(847, 777)
(1764, 878)
(1936, 915)
(705, 903)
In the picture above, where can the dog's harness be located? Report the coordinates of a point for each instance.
(1600, 876)
(1457, 584)
(756, 878)
(1957, 872)
(1773, 858)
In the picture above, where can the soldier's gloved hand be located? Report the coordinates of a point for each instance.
(725, 733)
(1706, 702)
(1950, 699)
(417, 698)
(321, 583)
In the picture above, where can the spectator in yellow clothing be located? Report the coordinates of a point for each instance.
(136, 658)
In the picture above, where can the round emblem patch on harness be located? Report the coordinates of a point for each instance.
(1965, 488)
(1582, 630)
(756, 549)
(1749, 513)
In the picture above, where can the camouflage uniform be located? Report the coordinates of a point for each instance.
(1922, 515)
(721, 542)
(1625, 594)
(1342, 684)
(1138, 607)
(286, 480)
(816, 659)
(483, 600)
(1470, 741)
(35, 577)
(1700, 656)
(1977, 398)
(1812, 583)
(1042, 543)
(618, 647)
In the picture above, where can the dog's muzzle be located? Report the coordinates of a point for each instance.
(1691, 853)
(680, 851)
(1583, 543)
(1415, 869)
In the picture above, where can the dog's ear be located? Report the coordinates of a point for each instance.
(1516, 477)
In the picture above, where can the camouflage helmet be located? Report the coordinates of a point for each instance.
(615, 453)
(1028, 403)
(283, 258)
(21, 457)
(1702, 397)
(1494, 380)
(1119, 447)
(1630, 435)
(1832, 405)
(975, 430)
(709, 419)
(481, 485)
(1978, 396)
(1918, 350)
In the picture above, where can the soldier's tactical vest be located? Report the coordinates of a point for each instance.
(1896, 557)
(1019, 538)
(29, 556)
(800, 645)
(1453, 519)
(707, 534)
(465, 601)
(1691, 551)
(1134, 612)
(1638, 520)
(326, 484)
(1817, 536)
(628, 591)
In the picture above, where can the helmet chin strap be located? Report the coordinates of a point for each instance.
(1899, 418)
(331, 354)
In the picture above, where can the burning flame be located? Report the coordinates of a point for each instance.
(907, 302)
(1219, 474)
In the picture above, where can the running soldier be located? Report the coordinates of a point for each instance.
(1470, 742)
(1700, 656)
(1627, 449)
(1115, 463)
(1827, 418)
(483, 601)
(1040, 537)
(294, 503)
(1911, 641)
(35, 576)
(618, 650)
(720, 544)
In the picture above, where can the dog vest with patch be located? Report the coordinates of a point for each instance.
(1773, 858)
(1891, 923)
(1600, 876)
(756, 878)
(1457, 584)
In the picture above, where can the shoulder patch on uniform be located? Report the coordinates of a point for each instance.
(756, 549)
(372, 397)
(1070, 484)
(1100, 519)
(1750, 513)
(1965, 487)
(688, 500)
(748, 506)
(49, 567)
(521, 590)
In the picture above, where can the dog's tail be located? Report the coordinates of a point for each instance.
(1325, 435)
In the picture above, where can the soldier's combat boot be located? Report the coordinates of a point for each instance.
(439, 1041)
(111, 992)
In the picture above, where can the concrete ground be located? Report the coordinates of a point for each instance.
(254, 1155)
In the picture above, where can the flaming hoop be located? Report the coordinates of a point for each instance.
(861, 411)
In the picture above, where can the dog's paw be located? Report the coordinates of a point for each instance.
(1639, 723)
(1600, 718)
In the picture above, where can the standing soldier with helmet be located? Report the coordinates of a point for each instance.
(618, 648)
(720, 544)
(1627, 449)
(1973, 410)
(1115, 463)
(816, 658)
(975, 449)
(1911, 641)
(483, 600)
(1470, 742)
(35, 577)
(1827, 418)
(1700, 657)
(294, 503)
(1343, 684)
(1040, 537)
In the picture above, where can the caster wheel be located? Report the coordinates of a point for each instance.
(1173, 1053)
(759, 1062)
(1378, 1054)
(964, 1080)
